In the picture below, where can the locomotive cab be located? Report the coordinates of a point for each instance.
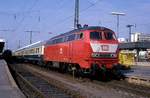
(103, 52)
(104, 47)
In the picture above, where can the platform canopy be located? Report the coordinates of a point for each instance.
(135, 45)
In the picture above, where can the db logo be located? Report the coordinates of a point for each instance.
(105, 47)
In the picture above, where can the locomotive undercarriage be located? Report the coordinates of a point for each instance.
(103, 73)
(95, 72)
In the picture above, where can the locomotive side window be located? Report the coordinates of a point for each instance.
(55, 41)
(79, 36)
(95, 35)
(65, 39)
(109, 36)
(59, 40)
(71, 37)
(49, 42)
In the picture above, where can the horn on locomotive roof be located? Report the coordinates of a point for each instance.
(79, 26)
(85, 26)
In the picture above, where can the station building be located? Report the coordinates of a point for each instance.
(140, 37)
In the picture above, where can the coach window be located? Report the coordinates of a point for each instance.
(36, 50)
(32, 51)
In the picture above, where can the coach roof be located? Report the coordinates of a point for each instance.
(33, 45)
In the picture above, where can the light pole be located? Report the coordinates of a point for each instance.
(76, 16)
(31, 35)
(129, 26)
(117, 14)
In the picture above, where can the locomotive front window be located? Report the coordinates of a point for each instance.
(95, 35)
(109, 36)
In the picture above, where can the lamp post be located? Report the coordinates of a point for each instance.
(117, 14)
(129, 26)
(76, 16)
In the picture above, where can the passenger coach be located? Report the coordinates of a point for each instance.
(31, 53)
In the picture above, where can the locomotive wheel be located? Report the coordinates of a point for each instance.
(63, 68)
(103, 73)
(79, 73)
(69, 68)
(108, 75)
(94, 72)
(117, 74)
(100, 73)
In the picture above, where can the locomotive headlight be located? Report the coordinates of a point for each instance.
(94, 55)
(113, 55)
(107, 55)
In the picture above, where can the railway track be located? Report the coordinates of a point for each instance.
(127, 87)
(35, 87)
(145, 81)
(130, 90)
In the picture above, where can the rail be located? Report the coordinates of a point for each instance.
(27, 88)
(35, 87)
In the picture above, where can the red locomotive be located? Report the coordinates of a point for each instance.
(87, 50)
(81, 49)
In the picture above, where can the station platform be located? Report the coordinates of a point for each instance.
(143, 64)
(140, 71)
(8, 87)
(139, 74)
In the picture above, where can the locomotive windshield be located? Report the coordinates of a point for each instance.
(109, 36)
(95, 36)
(102, 36)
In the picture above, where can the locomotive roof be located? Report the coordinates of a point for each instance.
(82, 29)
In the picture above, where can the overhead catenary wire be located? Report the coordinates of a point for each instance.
(39, 18)
(22, 20)
(83, 10)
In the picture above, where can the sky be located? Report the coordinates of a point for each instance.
(48, 18)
